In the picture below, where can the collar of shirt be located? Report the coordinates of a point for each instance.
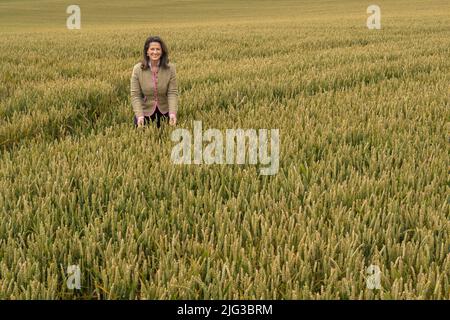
(150, 64)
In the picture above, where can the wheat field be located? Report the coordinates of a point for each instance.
(363, 174)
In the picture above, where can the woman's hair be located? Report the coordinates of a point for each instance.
(163, 61)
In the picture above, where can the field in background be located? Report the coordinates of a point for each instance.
(363, 179)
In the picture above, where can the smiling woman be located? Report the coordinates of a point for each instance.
(154, 93)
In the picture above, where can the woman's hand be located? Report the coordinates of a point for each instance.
(140, 122)
(173, 119)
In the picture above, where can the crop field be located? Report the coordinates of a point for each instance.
(363, 117)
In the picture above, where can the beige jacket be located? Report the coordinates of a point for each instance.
(142, 91)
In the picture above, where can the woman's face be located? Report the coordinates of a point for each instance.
(154, 51)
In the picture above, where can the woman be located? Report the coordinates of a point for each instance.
(154, 93)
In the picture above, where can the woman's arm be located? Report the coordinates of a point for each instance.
(172, 93)
(136, 93)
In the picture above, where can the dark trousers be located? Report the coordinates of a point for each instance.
(156, 116)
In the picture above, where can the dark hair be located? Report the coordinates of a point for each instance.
(163, 61)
